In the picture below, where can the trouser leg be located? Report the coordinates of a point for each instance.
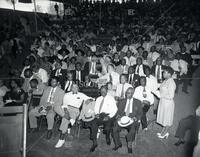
(144, 117)
(132, 132)
(33, 114)
(116, 136)
(183, 126)
(50, 119)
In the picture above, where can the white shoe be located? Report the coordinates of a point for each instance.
(158, 134)
(145, 129)
(60, 143)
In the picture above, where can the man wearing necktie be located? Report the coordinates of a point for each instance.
(51, 97)
(60, 73)
(78, 74)
(105, 110)
(122, 87)
(68, 83)
(140, 67)
(157, 70)
(133, 78)
(143, 93)
(132, 108)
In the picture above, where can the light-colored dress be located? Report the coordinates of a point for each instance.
(166, 105)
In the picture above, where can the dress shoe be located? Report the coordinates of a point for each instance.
(108, 142)
(49, 134)
(179, 143)
(94, 146)
(60, 143)
(33, 130)
(164, 136)
(185, 91)
(130, 150)
(117, 147)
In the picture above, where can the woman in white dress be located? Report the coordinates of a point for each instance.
(166, 105)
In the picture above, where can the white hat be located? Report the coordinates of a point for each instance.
(125, 121)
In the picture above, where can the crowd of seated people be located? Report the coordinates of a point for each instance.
(115, 82)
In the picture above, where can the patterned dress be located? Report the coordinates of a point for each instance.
(166, 105)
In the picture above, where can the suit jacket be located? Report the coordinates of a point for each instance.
(83, 74)
(136, 108)
(57, 99)
(153, 72)
(87, 67)
(144, 67)
(136, 80)
(62, 77)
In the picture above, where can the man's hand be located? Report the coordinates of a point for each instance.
(135, 119)
(118, 117)
(106, 118)
(88, 101)
(48, 108)
(40, 109)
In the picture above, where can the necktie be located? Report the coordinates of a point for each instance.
(122, 93)
(128, 107)
(57, 72)
(51, 95)
(101, 105)
(93, 68)
(138, 69)
(130, 78)
(144, 93)
(68, 87)
(110, 76)
(179, 65)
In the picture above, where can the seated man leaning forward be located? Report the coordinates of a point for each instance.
(105, 109)
(51, 97)
(69, 111)
(128, 117)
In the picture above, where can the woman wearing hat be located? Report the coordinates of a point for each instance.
(166, 105)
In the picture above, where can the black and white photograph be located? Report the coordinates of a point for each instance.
(99, 78)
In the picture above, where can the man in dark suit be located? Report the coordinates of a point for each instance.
(132, 108)
(140, 67)
(133, 78)
(78, 74)
(60, 73)
(158, 69)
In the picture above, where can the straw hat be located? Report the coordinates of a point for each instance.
(125, 121)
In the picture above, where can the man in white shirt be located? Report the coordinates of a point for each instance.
(144, 94)
(122, 68)
(69, 111)
(130, 60)
(132, 108)
(140, 67)
(40, 73)
(153, 85)
(122, 87)
(111, 76)
(105, 110)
